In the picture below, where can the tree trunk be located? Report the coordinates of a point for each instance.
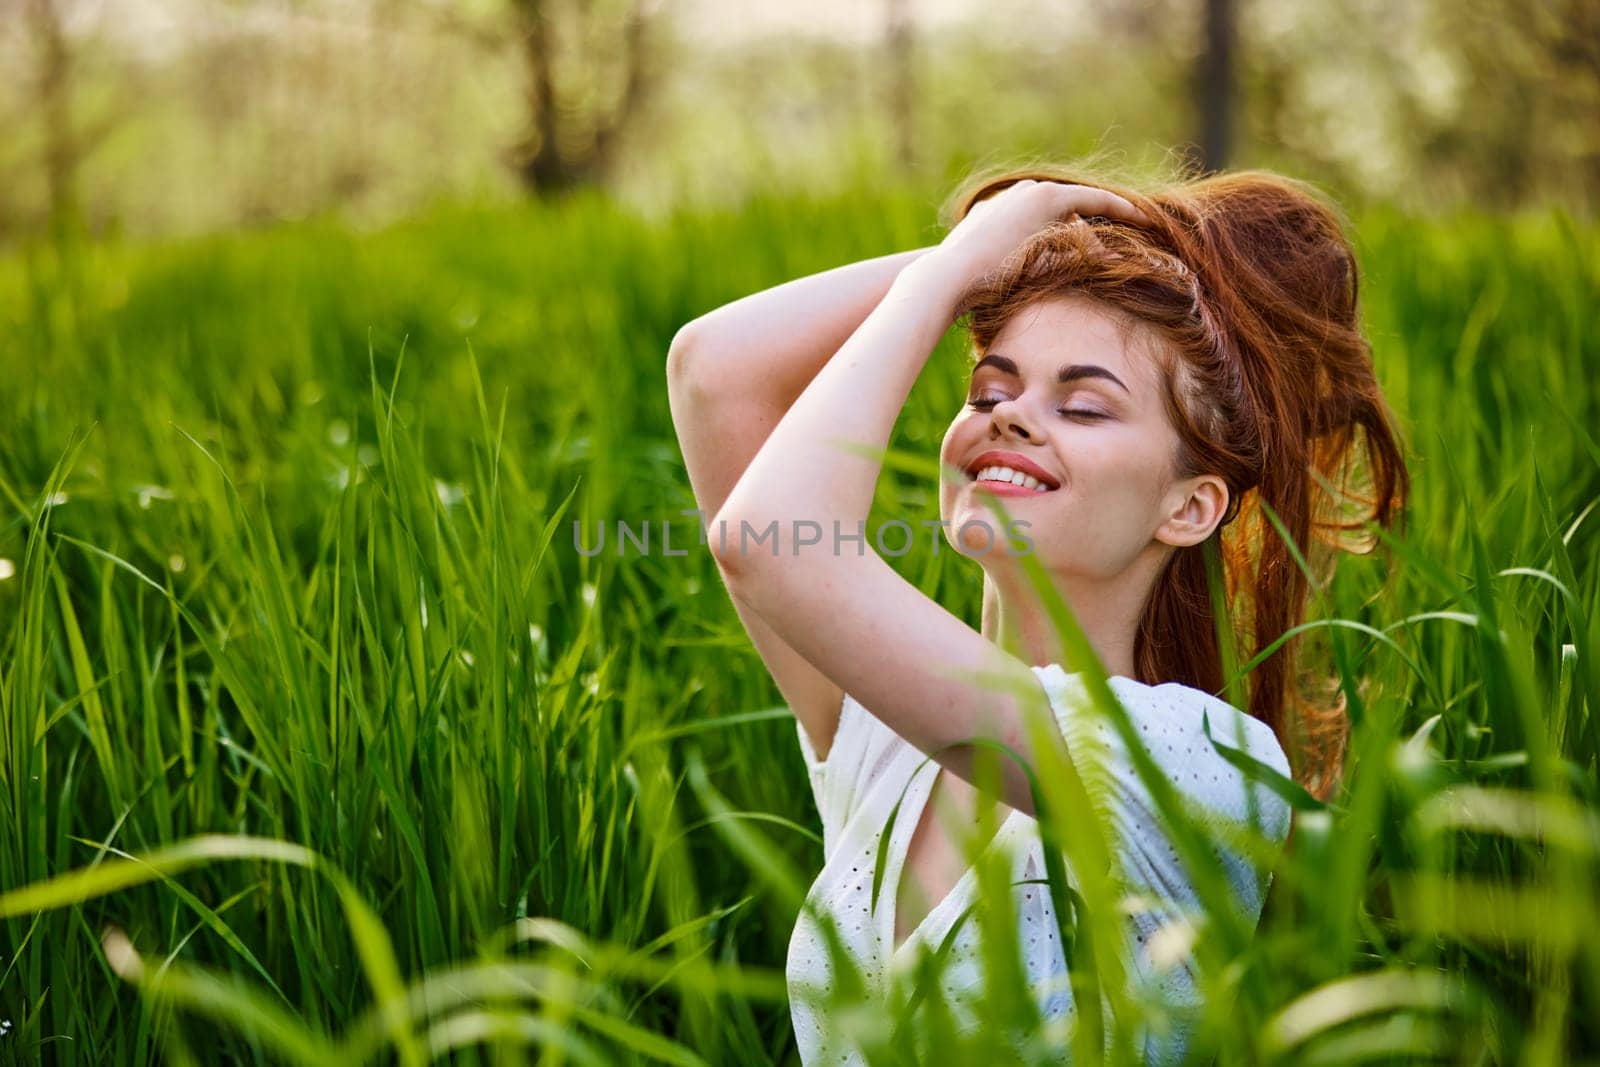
(546, 159)
(53, 95)
(1216, 90)
(537, 158)
(902, 85)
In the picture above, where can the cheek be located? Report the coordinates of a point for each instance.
(1130, 516)
(1106, 510)
(956, 442)
(1123, 487)
(954, 434)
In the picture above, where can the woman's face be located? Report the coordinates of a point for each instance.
(1099, 444)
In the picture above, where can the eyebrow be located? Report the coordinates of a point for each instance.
(1069, 373)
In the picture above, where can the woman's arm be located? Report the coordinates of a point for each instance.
(772, 343)
(921, 670)
(731, 375)
(853, 618)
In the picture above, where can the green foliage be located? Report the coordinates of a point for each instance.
(321, 739)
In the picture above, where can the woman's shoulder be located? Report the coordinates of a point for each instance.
(1185, 732)
(1170, 713)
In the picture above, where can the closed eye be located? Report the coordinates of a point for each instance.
(986, 403)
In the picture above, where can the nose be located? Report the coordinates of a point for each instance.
(1005, 417)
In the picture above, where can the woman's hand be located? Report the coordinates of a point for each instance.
(998, 225)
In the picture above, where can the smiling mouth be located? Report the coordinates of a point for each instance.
(996, 476)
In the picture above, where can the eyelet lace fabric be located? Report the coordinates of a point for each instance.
(869, 768)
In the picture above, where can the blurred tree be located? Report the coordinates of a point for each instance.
(63, 145)
(587, 69)
(589, 66)
(1429, 103)
(189, 115)
(1187, 55)
(902, 83)
(52, 47)
(1532, 82)
(1215, 83)
(53, 88)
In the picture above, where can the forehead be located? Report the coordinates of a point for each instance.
(1074, 328)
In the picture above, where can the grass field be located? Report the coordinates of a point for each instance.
(292, 610)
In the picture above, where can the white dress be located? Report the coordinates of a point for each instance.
(868, 769)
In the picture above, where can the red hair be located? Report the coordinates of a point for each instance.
(1250, 283)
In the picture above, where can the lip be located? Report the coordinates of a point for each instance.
(1005, 489)
(1016, 461)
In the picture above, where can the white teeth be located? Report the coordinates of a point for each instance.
(1015, 477)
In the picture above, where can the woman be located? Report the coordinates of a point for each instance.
(1147, 368)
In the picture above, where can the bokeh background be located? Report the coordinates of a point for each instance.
(179, 116)
(321, 323)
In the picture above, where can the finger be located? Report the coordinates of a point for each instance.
(1087, 200)
(1013, 188)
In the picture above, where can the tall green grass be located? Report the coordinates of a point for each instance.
(320, 738)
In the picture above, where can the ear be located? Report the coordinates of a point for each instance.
(1195, 505)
